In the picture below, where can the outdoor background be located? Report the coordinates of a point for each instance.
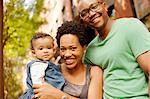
(22, 18)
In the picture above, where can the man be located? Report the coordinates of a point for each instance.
(122, 50)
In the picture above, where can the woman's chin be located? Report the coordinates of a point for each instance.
(70, 66)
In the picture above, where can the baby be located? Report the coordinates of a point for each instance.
(40, 69)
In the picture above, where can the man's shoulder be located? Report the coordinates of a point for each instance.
(93, 42)
(128, 20)
(127, 24)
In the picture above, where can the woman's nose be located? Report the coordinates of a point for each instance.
(67, 53)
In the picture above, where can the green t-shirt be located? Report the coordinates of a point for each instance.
(116, 55)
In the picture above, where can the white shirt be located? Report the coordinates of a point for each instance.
(38, 72)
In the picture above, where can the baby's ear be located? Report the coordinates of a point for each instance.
(32, 51)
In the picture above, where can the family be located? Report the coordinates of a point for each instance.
(114, 64)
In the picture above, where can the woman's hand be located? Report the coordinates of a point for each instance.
(47, 91)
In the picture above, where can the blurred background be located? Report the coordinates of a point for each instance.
(22, 18)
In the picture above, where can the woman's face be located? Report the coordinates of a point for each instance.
(71, 51)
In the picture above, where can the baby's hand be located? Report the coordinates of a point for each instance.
(56, 61)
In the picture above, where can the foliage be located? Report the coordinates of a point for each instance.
(12, 84)
(20, 24)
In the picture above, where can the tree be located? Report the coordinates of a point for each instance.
(20, 23)
(1, 52)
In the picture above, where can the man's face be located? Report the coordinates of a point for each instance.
(93, 12)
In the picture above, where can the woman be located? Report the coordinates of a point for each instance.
(81, 80)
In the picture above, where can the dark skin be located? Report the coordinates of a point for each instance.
(73, 71)
(102, 23)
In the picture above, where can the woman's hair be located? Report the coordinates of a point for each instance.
(84, 33)
(39, 35)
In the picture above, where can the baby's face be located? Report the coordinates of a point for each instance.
(43, 48)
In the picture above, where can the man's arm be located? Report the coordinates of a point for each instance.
(144, 62)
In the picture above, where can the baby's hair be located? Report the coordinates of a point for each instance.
(39, 35)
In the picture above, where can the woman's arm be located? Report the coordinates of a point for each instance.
(47, 91)
(96, 84)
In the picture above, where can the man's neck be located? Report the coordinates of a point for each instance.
(104, 33)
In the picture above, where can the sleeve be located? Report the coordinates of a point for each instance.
(138, 37)
(86, 59)
(38, 72)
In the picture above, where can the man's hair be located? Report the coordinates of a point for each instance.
(84, 33)
(39, 35)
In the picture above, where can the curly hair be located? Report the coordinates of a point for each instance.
(84, 33)
(39, 35)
